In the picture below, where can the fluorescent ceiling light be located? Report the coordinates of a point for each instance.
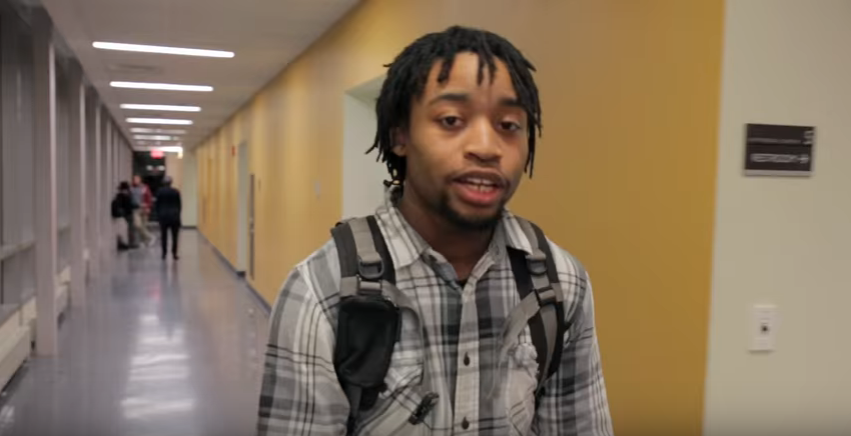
(161, 107)
(155, 137)
(163, 50)
(161, 86)
(157, 144)
(164, 131)
(159, 121)
(172, 149)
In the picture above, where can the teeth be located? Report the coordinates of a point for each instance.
(481, 188)
(479, 182)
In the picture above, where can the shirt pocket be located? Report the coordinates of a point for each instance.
(395, 405)
(521, 368)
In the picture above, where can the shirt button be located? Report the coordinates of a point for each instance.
(465, 424)
(466, 359)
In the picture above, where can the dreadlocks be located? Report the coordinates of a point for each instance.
(407, 75)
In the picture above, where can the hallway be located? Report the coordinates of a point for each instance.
(161, 348)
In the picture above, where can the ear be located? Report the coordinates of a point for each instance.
(400, 143)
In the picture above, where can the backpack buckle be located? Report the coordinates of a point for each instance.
(537, 262)
(546, 296)
(371, 267)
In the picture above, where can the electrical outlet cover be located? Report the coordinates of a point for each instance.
(763, 327)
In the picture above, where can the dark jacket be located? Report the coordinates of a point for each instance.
(168, 205)
(122, 205)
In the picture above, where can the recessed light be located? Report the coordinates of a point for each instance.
(163, 50)
(159, 143)
(160, 107)
(159, 121)
(171, 149)
(161, 86)
(155, 137)
(164, 131)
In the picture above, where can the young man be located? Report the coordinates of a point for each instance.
(458, 118)
(169, 208)
(143, 200)
(122, 217)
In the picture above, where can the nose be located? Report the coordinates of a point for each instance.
(483, 144)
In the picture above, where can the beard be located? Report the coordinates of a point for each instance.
(466, 222)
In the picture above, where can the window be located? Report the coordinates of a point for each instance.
(63, 181)
(17, 271)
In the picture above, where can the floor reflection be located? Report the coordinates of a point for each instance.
(162, 349)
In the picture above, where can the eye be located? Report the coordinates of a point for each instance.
(450, 122)
(509, 126)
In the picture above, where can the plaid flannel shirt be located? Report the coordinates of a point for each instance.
(481, 391)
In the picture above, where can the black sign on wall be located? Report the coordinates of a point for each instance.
(772, 150)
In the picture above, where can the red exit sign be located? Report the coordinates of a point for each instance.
(157, 154)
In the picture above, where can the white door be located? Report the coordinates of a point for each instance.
(243, 180)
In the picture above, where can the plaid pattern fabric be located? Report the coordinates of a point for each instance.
(485, 382)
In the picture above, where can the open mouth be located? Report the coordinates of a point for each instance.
(479, 184)
(482, 189)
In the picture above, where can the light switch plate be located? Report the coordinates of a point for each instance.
(764, 322)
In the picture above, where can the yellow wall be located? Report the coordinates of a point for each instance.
(624, 178)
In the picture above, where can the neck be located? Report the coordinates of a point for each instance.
(461, 247)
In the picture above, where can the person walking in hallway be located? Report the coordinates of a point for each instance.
(122, 217)
(142, 200)
(442, 313)
(169, 208)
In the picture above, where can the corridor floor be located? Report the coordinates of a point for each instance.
(162, 348)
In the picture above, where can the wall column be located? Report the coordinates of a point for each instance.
(77, 192)
(44, 175)
(98, 208)
(107, 189)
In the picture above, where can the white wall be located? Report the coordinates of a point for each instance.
(363, 177)
(784, 241)
(189, 188)
(183, 174)
(243, 180)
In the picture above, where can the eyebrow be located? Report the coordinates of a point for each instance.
(510, 101)
(451, 97)
(464, 98)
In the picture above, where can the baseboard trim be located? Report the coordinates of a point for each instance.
(241, 274)
(260, 300)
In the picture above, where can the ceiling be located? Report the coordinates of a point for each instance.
(265, 35)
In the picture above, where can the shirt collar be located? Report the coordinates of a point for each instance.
(406, 245)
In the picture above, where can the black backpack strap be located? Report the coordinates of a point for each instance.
(383, 252)
(368, 324)
(346, 250)
(541, 299)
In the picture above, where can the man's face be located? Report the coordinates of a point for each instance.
(466, 144)
(137, 180)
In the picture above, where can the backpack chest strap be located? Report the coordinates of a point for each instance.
(541, 302)
(369, 318)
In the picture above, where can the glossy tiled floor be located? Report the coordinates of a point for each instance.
(161, 349)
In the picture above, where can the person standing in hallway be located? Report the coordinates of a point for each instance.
(169, 208)
(122, 216)
(142, 200)
(458, 118)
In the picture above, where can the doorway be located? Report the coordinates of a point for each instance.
(363, 177)
(251, 222)
(242, 220)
